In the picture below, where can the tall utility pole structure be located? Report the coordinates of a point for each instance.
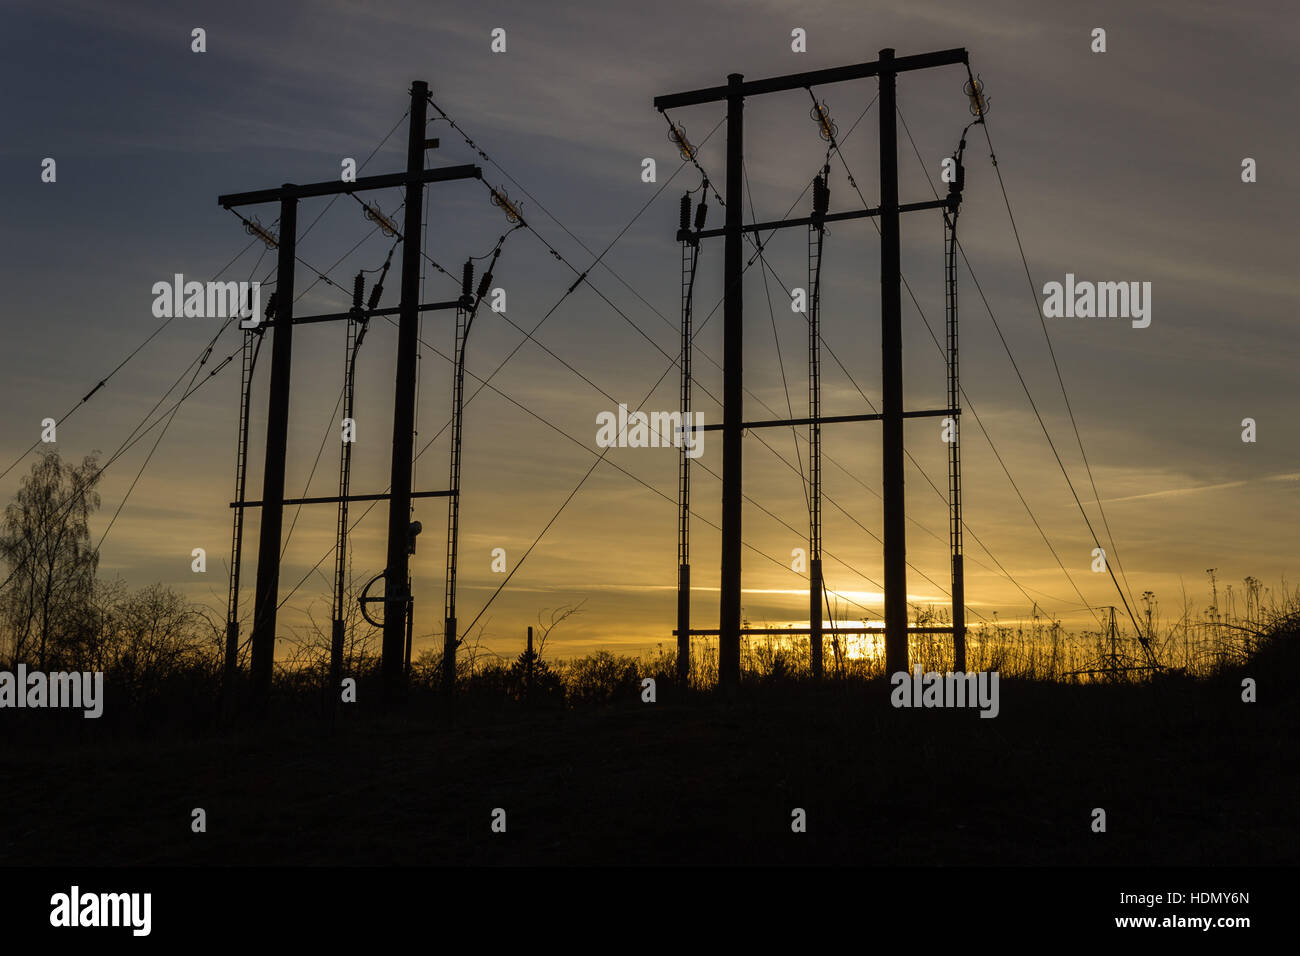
(733, 390)
(398, 586)
(954, 401)
(885, 69)
(267, 596)
(464, 322)
(356, 333)
(252, 346)
(816, 244)
(891, 377)
(690, 265)
(690, 261)
(450, 637)
(400, 533)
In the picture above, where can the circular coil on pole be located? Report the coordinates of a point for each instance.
(826, 126)
(677, 136)
(255, 228)
(502, 200)
(376, 215)
(974, 90)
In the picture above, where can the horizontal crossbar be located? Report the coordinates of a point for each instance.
(686, 234)
(334, 316)
(334, 186)
(799, 81)
(714, 632)
(830, 419)
(336, 499)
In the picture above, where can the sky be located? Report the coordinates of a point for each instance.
(1118, 166)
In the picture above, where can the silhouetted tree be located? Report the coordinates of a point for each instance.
(45, 540)
(145, 636)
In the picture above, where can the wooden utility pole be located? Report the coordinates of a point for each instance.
(400, 543)
(891, 377)
(267, 596)
(733, 390)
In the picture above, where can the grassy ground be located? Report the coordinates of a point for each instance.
(1187, 774)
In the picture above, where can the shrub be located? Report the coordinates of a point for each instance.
(601, 678)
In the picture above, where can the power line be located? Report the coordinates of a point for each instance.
(580, 278)
(329, 424)
(333, 199)
(601, 458)
(329, 430)
(524, 407)
(672, 359)
(776, 340)
(162, 434)
(584, 275)
(759, 255)
(1065, 395)
(969, 404)
(599, 260)
(1024, 385)
(529, 336)
(132, 354)
(129, 443)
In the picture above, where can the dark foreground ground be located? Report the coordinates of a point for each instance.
(1187, 774)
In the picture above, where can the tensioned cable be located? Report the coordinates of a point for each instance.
(776, 340)
(1024, 385)
(1065, 395)
(583, 275)
(759, 256)
(132, 354)
(127, 445)
(971, 407)
(485, 383)
(674, 361)
(524, 407)
(162, 434)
